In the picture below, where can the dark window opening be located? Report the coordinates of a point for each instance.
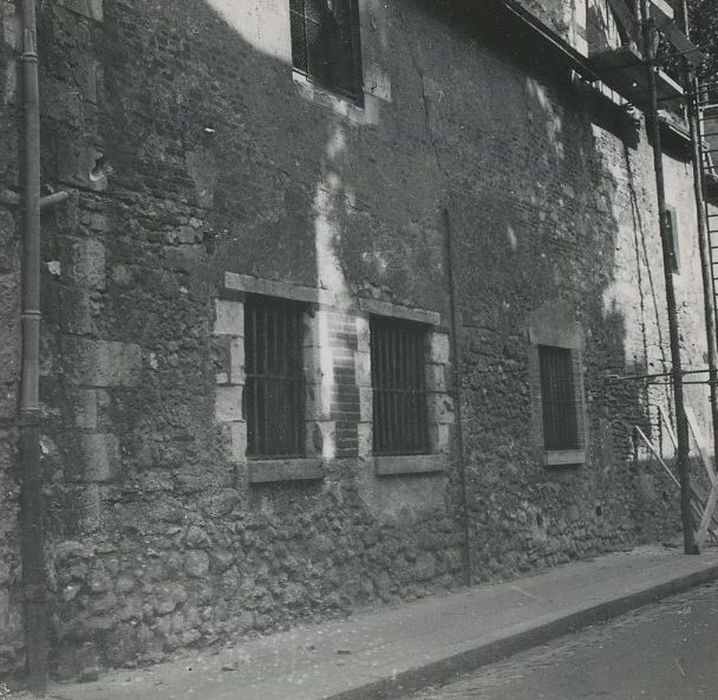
(274, 388)
(325, 43)
(558, 398)
(671, 226)
(398, 366)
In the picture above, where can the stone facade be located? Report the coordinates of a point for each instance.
(200, 169)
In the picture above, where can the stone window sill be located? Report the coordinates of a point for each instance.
(564, 458)
(267, 470)
(410, 464)
(362, 109)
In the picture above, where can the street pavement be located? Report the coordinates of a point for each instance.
(664, 651)
(397, 650)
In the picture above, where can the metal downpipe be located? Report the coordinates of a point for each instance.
(31, 502)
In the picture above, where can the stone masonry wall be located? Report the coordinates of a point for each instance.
(195, 158)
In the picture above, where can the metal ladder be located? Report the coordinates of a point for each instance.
(707, 103)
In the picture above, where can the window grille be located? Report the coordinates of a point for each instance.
(325, 43)
(274, 388)
(602, 31)
(558, 398)
(398, 366)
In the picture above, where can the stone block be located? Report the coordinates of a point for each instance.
(220, 503)
(365, 439)
(100, 222)
(82, 261)
(440, 437)
(362, 368)
(169, 596)
(366, 404)
(441, 408)
(83, 509)
(196, 563)
(8, 401)
(269, 470)
(75, 164)
(92, 9)
(310, 329)
(196, 537)
(314, 373)
(228, 317)
(436, 377)
(93, 457)
(363, 334)
(236, 359)
(228, 404)
(238, 440)
(425, 567)
(318, 403)
(103, 363)
(8, 227)
(91, 80)
(85, 408)
(326, 437)
(60, 101)
(77, 314)
(221, 560)
(183, 235)
(439, 348)
(11, 29)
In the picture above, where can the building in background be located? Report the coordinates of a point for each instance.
(249, 412)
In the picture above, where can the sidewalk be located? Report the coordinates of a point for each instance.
(394, 650)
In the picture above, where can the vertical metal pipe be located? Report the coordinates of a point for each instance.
(456, 381)
(32, 525)
(689, 543)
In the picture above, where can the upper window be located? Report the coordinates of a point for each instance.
(274, 382)
(398, 367)
(325, 43)
(602, 30)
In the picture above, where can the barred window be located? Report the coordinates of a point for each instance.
(558, 398)
(274, 383)
(325, 43)
(398, 366)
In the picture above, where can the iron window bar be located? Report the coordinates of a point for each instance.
(558, 398)
(398, 366)
(325, 43)
(274, 378)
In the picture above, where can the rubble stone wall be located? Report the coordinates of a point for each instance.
(194, 156)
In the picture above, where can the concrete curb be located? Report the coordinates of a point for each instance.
(443, 670)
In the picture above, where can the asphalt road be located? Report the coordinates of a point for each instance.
(665, 651)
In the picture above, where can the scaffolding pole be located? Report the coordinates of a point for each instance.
(704, 244)
(649, 44)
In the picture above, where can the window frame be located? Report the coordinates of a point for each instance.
(228, 330)
(440, 406)
(293, 316)
(356, 93)
(558, 389)
(381, 384)
(557, 334)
